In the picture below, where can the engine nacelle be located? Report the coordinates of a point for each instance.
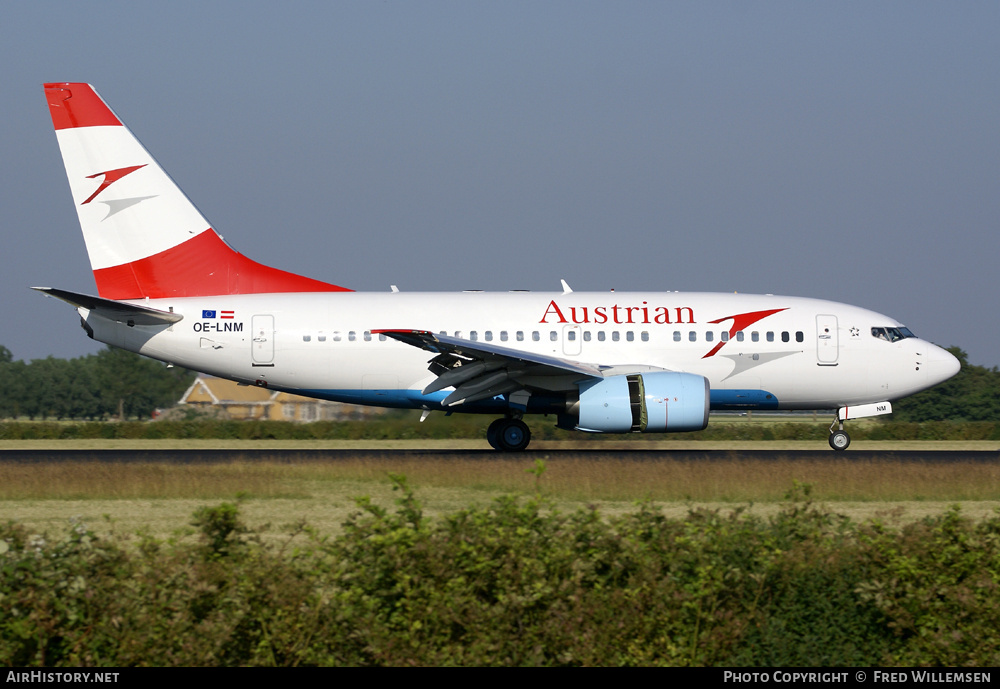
(660, 402)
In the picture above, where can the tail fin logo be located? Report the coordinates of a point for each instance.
(110, 177)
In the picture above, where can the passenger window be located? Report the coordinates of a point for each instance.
(306, 338)
(352, 336)
(586, 336)
(644, 336)
(615, 336)
(709, 335)
(630, 336)
(770, 336)
(571, 336)
(601, 336)
(474, 335)
(535, 336)
(503, 335)
(799, 336)
(693, 336)
(381, 337)
(677, 336)
(368, 336)
(520, 336)
(739, 336)
(755, 336)
(784, 336)
(489, 335)
(336, 336)
(321, 338)
(724, 336)
(553, 336)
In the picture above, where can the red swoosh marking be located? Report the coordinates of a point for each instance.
(741, 321)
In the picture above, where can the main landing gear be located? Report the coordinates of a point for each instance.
(839, 440)
(508, 435)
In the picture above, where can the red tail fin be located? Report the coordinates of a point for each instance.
(143, 235)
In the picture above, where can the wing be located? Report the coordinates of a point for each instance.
(481, 370)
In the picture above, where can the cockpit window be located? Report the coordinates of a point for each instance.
(891, 334)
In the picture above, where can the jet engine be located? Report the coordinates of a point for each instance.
(658, 402)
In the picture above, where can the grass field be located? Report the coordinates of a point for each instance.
(160, 498)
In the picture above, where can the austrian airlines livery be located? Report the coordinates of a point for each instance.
(605, 362)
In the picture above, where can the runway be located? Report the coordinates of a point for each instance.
(184, 456)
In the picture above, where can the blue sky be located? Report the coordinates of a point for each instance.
(848, 150)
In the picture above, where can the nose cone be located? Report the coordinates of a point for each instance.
(939, 365)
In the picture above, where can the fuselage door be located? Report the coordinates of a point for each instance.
(263, 340)
(827, 340)
(572, 340)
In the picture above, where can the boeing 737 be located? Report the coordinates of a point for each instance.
(170, 288)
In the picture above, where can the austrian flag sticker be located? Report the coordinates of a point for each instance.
(210, 313)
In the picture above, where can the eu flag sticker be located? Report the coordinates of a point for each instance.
(207, 314)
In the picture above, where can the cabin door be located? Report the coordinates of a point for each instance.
(263, 340)
(827, 340)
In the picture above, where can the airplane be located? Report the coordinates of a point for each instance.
(169, 287)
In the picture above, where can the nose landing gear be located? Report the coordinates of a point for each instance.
(839, 440)
(508, 435)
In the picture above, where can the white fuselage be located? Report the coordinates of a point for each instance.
(801, 354)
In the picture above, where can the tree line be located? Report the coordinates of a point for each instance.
(972, 395)
(113, 383)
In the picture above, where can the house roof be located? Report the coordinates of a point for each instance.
(212, 390)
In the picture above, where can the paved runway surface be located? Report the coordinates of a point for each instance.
(485, 455)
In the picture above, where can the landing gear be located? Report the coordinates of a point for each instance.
(839, 440)
(508, 435)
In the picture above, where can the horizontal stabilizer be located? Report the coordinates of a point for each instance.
(113, 310)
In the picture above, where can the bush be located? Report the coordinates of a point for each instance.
(514, 583)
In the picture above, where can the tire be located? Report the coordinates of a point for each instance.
(514, 436)
(493, 433)
(840, 441)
